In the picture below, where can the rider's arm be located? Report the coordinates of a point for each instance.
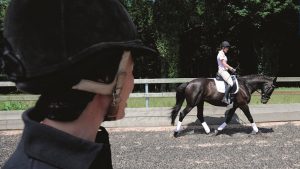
(226, 65)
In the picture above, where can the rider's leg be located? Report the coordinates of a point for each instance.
(226, 94)
(227, 78)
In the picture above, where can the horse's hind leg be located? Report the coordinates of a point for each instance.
(182, 114)
(201, 118)
(245, 109)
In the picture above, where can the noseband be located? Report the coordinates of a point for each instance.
(264, 94)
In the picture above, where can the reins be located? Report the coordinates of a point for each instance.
(257, 90)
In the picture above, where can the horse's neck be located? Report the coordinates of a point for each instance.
(253, 84)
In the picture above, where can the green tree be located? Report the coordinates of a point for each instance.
(186, 33)
(263, 19)
(3, 6)
(257, 29)
(172, 19)
(141, 12)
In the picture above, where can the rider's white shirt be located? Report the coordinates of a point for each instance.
(221, 56)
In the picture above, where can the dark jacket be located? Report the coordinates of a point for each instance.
(43, 147)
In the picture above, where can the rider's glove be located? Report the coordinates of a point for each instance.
(233, 70)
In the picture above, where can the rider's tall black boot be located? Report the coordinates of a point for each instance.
(226, 95)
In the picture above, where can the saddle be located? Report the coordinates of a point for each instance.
(221, 84)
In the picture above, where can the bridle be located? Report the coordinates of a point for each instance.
(264, 94)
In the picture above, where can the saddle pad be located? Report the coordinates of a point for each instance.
(221, 86)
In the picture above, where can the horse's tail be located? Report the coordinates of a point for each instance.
(180, 96)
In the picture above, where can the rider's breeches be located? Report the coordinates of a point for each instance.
(226, 76)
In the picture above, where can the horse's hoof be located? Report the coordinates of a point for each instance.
(176, 133)
(216, 132)
(254, 132)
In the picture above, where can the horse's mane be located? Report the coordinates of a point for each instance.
(256, 77)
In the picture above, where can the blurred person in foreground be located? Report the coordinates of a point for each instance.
(78, 55)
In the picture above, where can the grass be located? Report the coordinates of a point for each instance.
(164, 102)
(278, 99)
(170, 102)
(16, 105)
(288, 89)
(153, 102)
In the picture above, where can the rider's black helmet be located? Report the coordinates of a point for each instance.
(48, 40)
(225, 44)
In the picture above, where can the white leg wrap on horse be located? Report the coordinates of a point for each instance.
(222, 126)
(254, 127)
(206, 128)
(178, 126)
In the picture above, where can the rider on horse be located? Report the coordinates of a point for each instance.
(223, 66)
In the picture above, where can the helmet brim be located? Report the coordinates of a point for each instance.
(136, 47)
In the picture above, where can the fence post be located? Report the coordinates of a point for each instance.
(147, 95)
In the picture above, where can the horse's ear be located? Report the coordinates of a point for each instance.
(274, 82)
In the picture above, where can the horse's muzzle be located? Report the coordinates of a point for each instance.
(264, 101)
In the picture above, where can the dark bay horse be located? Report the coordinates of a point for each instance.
(201, 90)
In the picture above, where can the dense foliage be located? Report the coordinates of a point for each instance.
(187, 33)
(3, 5)
(264, 33)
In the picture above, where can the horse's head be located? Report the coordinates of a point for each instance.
(267, 90)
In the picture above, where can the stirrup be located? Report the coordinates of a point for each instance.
(227, 101)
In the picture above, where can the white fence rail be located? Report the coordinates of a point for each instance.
(146, 95)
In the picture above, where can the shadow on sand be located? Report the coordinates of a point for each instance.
(236, 126)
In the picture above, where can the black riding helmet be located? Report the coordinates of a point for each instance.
(225, 44)
(45, 38)
(50, 45)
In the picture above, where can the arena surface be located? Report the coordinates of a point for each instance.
(277, 146)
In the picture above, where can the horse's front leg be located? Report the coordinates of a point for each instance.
(228, 119)
(246, 110)
(201, 118)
